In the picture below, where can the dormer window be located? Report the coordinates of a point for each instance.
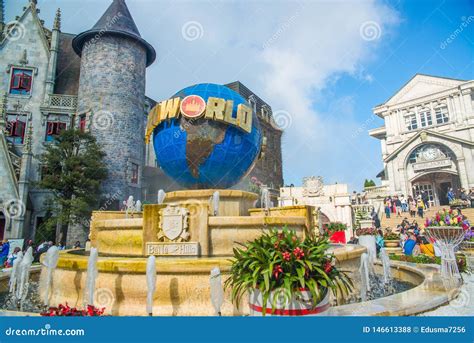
(21, 81)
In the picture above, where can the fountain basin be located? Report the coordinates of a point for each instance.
(182, 284)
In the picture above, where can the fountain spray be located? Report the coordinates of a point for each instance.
(217, 292)
(151, 283)
(50, 262)
(91, 277)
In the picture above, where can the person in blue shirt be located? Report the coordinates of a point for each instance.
(450, 195)
(4, 250)
(409, 245)
(379, 242)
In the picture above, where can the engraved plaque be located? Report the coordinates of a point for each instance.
(172, 249)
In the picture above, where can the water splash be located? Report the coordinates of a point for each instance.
(217, 292)
(161, 196)
(151, 283)
(24, 276)
(364, 276)
(91, 277)
(215, 203)
(15, 273)
(265, 199)
(50, 261)
(387, 273)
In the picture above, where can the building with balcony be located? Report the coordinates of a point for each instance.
(427, 140)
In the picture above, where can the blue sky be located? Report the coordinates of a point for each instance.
(321, 65)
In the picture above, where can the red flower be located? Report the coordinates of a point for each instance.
(286, 256)
(277, 270)
(327, 267)
(298, 253)
(276, 244)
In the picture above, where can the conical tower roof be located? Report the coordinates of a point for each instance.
(116, 20)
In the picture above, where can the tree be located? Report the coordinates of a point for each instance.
(73, 170)
(369, 183)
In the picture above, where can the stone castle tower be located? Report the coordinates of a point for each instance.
(111, 96)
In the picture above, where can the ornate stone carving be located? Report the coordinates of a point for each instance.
(173, 225)
(313, 186)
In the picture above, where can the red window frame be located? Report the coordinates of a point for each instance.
(53, 129)
(21, 80)
(134, 176)
(82, 123)
(16, 129)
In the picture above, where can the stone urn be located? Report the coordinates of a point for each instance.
(391, 243)
(297, 304)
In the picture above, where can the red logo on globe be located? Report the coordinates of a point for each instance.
(192, 106)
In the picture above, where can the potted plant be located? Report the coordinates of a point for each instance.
(286, 275)
(335, 231)
(391, 240)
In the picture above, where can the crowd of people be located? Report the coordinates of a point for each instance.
(399, 205)
(8, 256)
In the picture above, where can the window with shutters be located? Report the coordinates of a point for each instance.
(15, 130)
(21, 81)
(82, 123)
(53, 129)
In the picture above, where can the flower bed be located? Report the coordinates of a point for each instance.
(67, 311)
(425, 259)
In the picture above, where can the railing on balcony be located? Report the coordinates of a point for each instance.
(61, 101)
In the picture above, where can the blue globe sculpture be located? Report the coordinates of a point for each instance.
(202, 153)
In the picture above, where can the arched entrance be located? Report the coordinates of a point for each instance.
(436, 184)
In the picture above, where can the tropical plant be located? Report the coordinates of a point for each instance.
(280, 261)
(448, 218)
(331, 228)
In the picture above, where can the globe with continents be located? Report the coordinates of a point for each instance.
(205, 153)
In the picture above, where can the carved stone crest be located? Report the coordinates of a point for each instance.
(173, 225)
(313, 185)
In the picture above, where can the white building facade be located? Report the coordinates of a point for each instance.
(428, 137)
(333, 200)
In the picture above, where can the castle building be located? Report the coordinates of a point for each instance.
(428, 138)
(94, 81)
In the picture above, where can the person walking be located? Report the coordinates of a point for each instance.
(404, 203)
(426, 199)
(421, 206)
(450, 195)
(398, 206)
(387, 208)
(412, 204)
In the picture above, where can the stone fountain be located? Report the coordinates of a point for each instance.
(206, 137)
